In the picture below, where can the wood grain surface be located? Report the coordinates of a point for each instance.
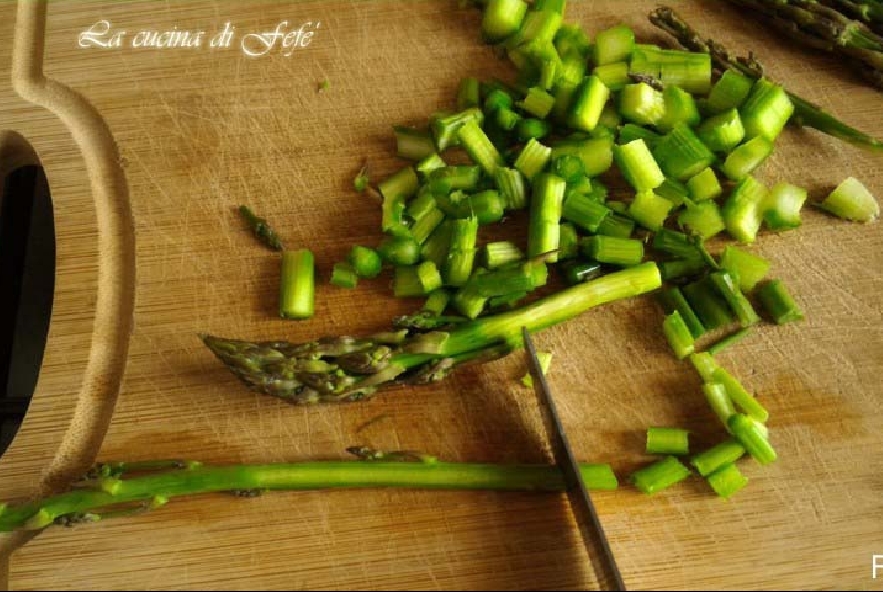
(149, 151)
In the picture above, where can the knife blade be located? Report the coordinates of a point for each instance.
(594, 538)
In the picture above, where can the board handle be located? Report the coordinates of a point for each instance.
(115, 286)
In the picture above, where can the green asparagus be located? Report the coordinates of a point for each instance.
(805, 113)
(108, 491)
(346, 369)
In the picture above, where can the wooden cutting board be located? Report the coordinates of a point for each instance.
(149, 151)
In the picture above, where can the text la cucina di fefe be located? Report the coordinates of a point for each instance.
(284, 38)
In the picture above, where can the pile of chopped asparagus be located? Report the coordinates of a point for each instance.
(684, 132)
(634, 165)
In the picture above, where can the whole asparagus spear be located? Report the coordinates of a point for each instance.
(805, 113)
(869, 12)
(344, 369)
(822, 27)
(105, 494)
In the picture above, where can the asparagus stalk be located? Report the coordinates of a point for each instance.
(805, 113)
(869, 12)
(345, 369)
(105, 494)
(824, 28)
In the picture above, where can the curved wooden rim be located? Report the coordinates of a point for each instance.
(116, 260)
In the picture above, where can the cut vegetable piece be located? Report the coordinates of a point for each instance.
(649, 210)
(468, 94)
(437, 302)
(596, 154)
(721, 455)
(616, 251)
(479, 147)
(545, 216)
(537, 102)
(399, 250)
(689, 70)
(678, 335)
(510, 183)
(545, 360)
(614, 76)
(455, 177)
(468, 304)
(298, 285)
(616, 225)
(681, 154)
(638, 165)
(501, 253)
(366, 262)
(673, 301)
(680, 107)
(507, 301)
(530, 128)
(727, 341)
(613, 45)
(675, 243)
(851, 200)
(429, 277)
(708, 304)
(703, 219)
(537, 30)
(718, 400)
(752, 437)
(572, 43)
(584, 211)
(704, 186)
(723, 132)
(705, 365)
(729, 92)
(740, 397)
(438, 244)
(781, 209)
(464, 236)
(742, 161)
(361, 181)
(577, 272)
(660, 475)
(681, 268)
(778, 303)
(742, 209)
(533, 159)
(631, 132)
(727, 481)
(412, 144)
(568, 242)
(668, 441)
(445, 126)
(487, 206)
(497, 98)
(523, 277)
(641, 103)
(502, 18)
(674, 191)
(427, 223)
(739, 304)
(569, 74)
(570, 168)
(396, 190)
(406, 282)
(766, 110)
(429, 164)
(747, 268)
(587, 103)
